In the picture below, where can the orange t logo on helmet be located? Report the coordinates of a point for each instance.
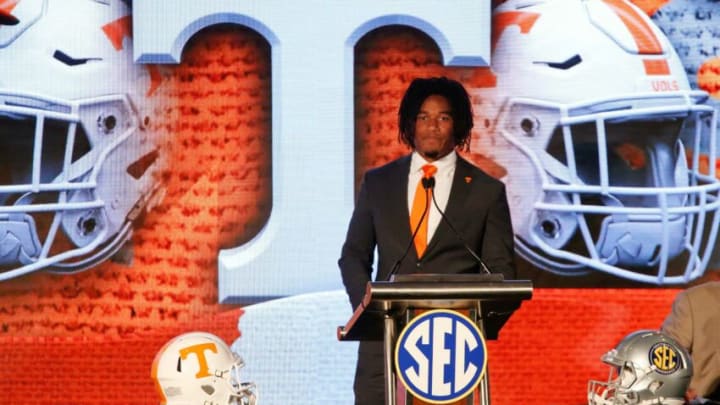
(199, 351)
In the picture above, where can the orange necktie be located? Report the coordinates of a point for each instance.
(418, 208)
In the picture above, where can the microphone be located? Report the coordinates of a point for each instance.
(427, 183)
(475, 256)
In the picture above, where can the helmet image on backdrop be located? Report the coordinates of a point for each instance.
(588, 111)
(647, 367)
(79, 165)
(198, 368)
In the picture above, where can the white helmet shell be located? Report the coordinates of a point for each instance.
(79, 164)
(590, 113)
(199, 368)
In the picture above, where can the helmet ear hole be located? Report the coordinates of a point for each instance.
(627, 375)
(107, 123)
(550, 228)
(529, 126)
(655, 386)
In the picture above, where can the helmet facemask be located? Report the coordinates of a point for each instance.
(79, 167)
(607, 153)
(67, 168)
(622, 189)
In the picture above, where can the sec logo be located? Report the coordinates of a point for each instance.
(440, 356)
(665, 358)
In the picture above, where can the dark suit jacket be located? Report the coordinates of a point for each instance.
(477, 208)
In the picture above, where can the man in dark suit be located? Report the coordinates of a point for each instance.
(435, 119)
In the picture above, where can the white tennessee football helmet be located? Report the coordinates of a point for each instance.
(78, 165)
(198, 368)
(604, 145)
(647, 367)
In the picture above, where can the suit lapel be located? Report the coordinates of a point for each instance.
(459, 192)
(398, 209)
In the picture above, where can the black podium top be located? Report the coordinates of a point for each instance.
(494, 299)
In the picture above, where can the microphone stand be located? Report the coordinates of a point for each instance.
(428, 184)
(475, 256)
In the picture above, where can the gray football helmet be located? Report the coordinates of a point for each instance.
(647, 367)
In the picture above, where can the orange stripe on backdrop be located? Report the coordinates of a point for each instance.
(154, 374)
(155, 79)
(645, 39)
(116, 31)
(502, 21)
(655, 67)
(7, 6)
(650, 7)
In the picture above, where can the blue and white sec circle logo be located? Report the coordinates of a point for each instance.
(440, 356)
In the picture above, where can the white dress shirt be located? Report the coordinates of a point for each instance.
(443, 182)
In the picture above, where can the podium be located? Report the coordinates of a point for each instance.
(487, 299)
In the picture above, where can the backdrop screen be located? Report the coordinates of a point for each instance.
(192, 166)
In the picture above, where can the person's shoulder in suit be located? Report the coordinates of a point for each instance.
(480, 174)
(708, 288)
(392, 167)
